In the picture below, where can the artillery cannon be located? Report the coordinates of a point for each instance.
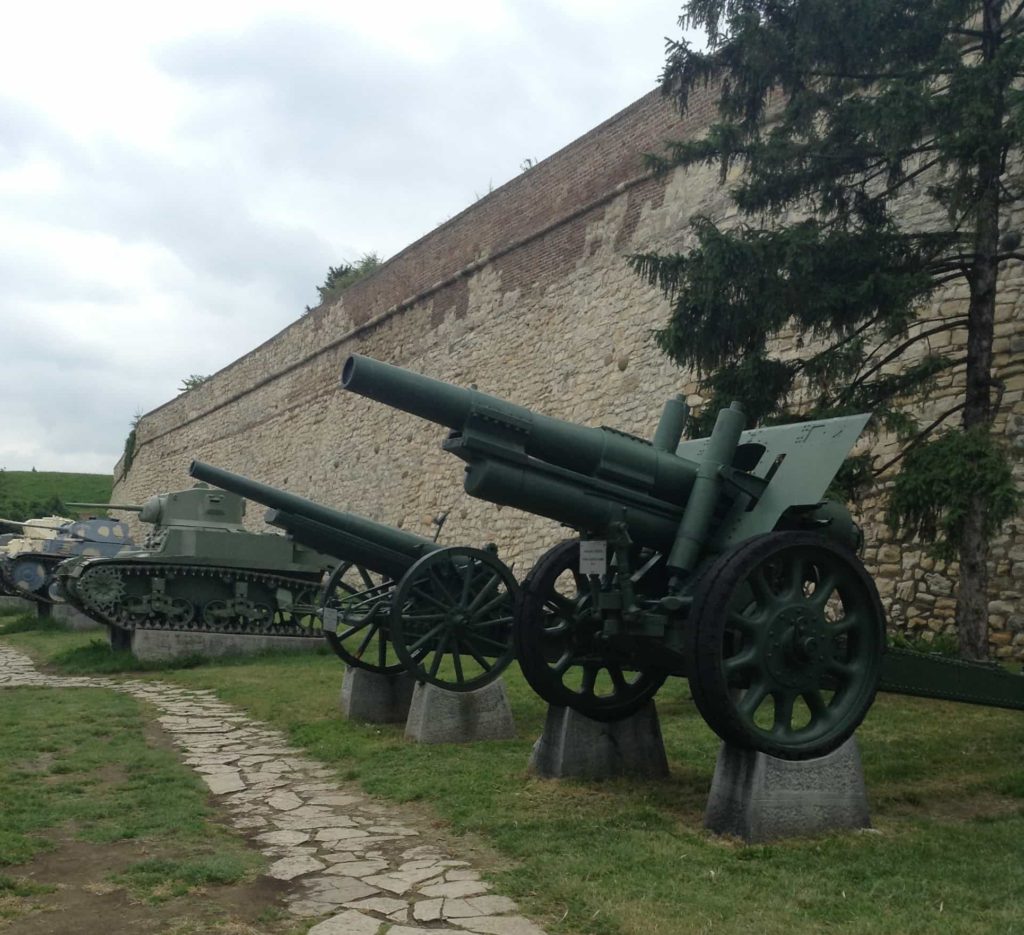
(717, 559)
(397, 601)
(199, 568)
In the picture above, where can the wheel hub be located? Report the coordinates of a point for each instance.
(797, 648)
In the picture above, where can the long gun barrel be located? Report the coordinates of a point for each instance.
(602, 453)
(105, 506)
(346, 536)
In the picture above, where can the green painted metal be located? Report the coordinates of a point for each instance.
(347, 536)
(104, 507)
(930, 675)
(397, 601)
(714, 558)
(199, 568)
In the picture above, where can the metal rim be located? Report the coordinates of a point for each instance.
(451, 618)
(787, 633)
(559, 647)
(363, 639)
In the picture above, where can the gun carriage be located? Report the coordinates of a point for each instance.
(199, 568)
(717, 559)
(397, 601)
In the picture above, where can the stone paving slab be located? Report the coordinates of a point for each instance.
(359, 864)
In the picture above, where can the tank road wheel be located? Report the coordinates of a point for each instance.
(786, 635)
(558, 643)
(451, 618)
(177, 613)
(216, 616)
(354, 610)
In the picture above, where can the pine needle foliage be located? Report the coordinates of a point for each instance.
(818, 302)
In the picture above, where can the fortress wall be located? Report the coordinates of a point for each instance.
(528, 295)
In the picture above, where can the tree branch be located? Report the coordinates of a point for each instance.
(951, 324)
(920, 437)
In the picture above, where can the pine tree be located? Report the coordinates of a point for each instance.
(832, 114)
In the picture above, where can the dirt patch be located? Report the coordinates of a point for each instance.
(85, 902)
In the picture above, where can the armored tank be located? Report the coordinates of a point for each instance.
(198, 568)
(28, 562)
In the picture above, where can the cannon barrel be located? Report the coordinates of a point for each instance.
(105, 506)
(601, 453)
(346, 536)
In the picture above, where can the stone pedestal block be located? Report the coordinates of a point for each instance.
(73, 618)
(15, 605)
(439, 716)
(120, 640)
(375, 698)
(164, 645)
(760, 798)
(574, 746)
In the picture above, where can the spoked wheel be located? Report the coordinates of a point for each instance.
(451, 618)
(787, 633)
(300, 614)
(559, 643)
(354, 609)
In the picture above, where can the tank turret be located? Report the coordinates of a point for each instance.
(29, 560)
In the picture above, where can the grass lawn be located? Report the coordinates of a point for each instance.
(29, 487)
(946, 784)
(102, 823)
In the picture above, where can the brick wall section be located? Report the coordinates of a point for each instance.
(526, 294)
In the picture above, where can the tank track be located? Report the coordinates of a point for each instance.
(41, 594)
(105, 598)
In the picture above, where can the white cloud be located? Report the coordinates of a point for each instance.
(175, 180)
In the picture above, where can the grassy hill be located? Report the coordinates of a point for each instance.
(24, 494)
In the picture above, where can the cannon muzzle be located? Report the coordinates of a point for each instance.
(346, 536)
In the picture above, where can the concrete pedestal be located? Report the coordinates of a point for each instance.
(120, 640)
(574, 746)
(73, 618)
(15, 605)
(375, 698)
(165, 645)
(439, 716)
(761, 798)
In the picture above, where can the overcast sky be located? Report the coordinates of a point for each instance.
(175, 179)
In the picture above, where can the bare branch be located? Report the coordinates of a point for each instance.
(920, 437)
(951, 324)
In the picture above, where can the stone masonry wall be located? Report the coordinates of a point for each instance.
(528, 295)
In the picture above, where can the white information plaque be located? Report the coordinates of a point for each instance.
(330, 620)
(593, 557)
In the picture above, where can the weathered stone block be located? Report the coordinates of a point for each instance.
(574, 746)
(16, 604)
(164, 645)
(439, 716)
(73, 618)
(760, 798)
(376, 698)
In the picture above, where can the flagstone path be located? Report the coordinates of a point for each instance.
(351, 859)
